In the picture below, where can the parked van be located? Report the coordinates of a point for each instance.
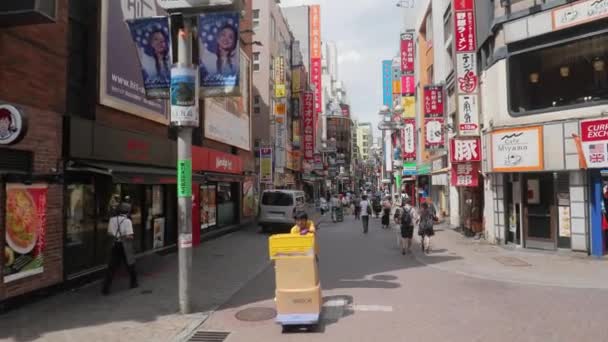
(278, 207)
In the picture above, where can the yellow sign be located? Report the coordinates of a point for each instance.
(295, 81)
(397, 87)
(280, 109)
(409, 106)
(280, 90)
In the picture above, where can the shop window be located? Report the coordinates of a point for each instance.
(569, 74)
(80, 228)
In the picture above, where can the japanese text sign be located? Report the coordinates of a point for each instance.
(464, 22)
(433, 101)
(465, 150)
(434, 133)
(387, 85)
(308, 126)
(466, 71)
(315, 79)
(407, 53)
(408, 139)
(468, 115)
(466, 174)
(408, 85)
(315, 32)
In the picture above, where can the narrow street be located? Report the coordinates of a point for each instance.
(373, 293)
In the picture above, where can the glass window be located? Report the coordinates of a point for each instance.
(80, 228)
(568, 74)
(256, 61)
(277, 199)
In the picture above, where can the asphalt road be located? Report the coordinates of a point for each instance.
(373, 293)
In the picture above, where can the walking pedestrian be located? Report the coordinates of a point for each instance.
(366, 211)
(407, 221)
(120, 228)
(357, 205)
(386, 208)
(425, 227)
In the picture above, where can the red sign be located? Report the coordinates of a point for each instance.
(433, 101)
(408, 139)
(466, 174)
(407, 53)
(463, 5)
(308, 126)
(594, 130)
(315, 79)
(465, 150)
(434, 137)
(206, 159)
(408, 85)
(464, 23)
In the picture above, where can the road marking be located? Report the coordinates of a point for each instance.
(371, 308)
(334, 303)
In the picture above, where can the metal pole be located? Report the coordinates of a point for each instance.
(184, 200)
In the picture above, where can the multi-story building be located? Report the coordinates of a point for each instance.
(544, 93)
(365, 139)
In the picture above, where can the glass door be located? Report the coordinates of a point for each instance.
(540, 211)
(80, 228)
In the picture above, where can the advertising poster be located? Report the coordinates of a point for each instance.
(308, 126)
(315, 56)
(515, 150)
(296, 135)
(184, 97)
(594, 139)
(153, 41)
(434, 134)
(409, 106)
(407, 52)
(249, 198)
(219, 53)
(387, 83)
(204, 207)
(212, 205)
(25, 224)
(465, 174)
(266, 165)
(121, 82)
(433, 101)
(159, 232)
(409, 140)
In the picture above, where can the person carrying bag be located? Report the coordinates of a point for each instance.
(120, 228)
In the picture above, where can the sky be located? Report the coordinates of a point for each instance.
(366, 32)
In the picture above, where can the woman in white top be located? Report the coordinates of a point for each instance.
(120, 228)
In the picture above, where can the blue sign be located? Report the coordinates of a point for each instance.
(387, 83)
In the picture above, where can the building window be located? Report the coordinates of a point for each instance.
(567, 74)
(273, 28)
(256, 18)
(429, 74)
(256, 61)
(256, 104)
(429, 30)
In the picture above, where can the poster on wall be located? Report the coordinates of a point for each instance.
(153, 41)
(219, 53)
(533, 191)
(212, 205)
(594, 140)
(159, 232)
(25, 224)
(204, 207)
(249, 195)
(565, 228)
(266, 165)
(121, 82)
(516, 150)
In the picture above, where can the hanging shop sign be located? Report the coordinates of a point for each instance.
(409, 140)
(296, 135)
(407, 52)
(465, 150)
(468, 115)
(315, 56)
(408, 85)
(387, 83)
(219, 53)
(266, 165)
(434, 120)
(466, 68)
(308, 126)
(433, 101)
(409, 106)
(280, 89)
(13, 125)
(25, 221)
(579, 13)
(465, 175)
(434, 133)
(464, 22)
(518, 149)
(594, 139)
(184, 97)
(409, 168)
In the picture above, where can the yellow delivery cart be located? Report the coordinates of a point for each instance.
(298, 290)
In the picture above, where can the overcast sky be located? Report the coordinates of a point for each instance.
(366, 32)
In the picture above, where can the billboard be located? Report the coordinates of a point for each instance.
(315, 55)
(387, 83)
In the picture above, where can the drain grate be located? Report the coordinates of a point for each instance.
(209, 336)
(256, 314)
(511, 261)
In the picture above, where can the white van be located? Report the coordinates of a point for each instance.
(278, 207)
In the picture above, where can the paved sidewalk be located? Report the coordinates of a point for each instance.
(149, 313)
(478, 258)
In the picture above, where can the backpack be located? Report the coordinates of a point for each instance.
(406, 218)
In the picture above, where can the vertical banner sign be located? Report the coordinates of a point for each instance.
(315, 55)
(153, 41)
(266, 165)
(388, 155)
(184, 178)
(434, 120)
(25, 230)
(280, 143)
(407, 53)
(409, 140)
(219, 53)
(280, 90)
(409, 106)
(387, 83)
(296, 135)
(408, 85)
(296, 82)
(467, 77)
(308, 121)
(465, 174)
(184, 97)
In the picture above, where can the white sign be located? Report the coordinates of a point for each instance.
(193, 4)
(223, 126)
(518, 149)
(468, 115)
(12, 125)
(388, 147)
(184, 97)
(565, 226)
(409, 145)
(466, 71)
(579, 13)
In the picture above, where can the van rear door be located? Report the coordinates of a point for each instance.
(277, 205)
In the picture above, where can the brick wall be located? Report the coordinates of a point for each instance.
(33, 60)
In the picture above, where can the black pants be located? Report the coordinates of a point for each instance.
(365, 221)
(117, 257)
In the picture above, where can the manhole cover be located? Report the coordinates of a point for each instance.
(209, 336)
(511, 261)
(256, 314)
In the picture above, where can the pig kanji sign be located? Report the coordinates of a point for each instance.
(465, 150)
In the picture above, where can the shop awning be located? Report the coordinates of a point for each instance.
(219, 177)
(128, 174)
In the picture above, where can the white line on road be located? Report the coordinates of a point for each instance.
(341, 303)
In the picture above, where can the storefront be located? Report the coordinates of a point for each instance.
(423, 183)
(466, 178)
(106, 166)
(440, 186)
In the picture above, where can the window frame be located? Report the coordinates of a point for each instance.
(255, 61)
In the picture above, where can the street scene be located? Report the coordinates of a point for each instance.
(265, 170)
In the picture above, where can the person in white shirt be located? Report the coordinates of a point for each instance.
(120, 228)
(366, 210)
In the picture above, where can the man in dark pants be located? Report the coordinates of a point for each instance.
(366, 210)
(120, 228)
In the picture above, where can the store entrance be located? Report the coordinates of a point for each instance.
(540, 211)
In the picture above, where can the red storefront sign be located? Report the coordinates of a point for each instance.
(308, 118)
(463, 5)
(594, 130)
(464, 23)
(315, 79)
(465, 174)
(433, 101)
(408, 85)
(465, 150)
(206, 159)
(407, 53)
(408, 134)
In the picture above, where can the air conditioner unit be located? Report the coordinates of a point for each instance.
(27, 12)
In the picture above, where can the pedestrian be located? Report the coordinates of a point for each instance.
(386, 208)
(303, 225)
(334, 205)
(120, 228)
(324, 206)
(408, 219)
(425, 227)
(366, 211)
(357, 205)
